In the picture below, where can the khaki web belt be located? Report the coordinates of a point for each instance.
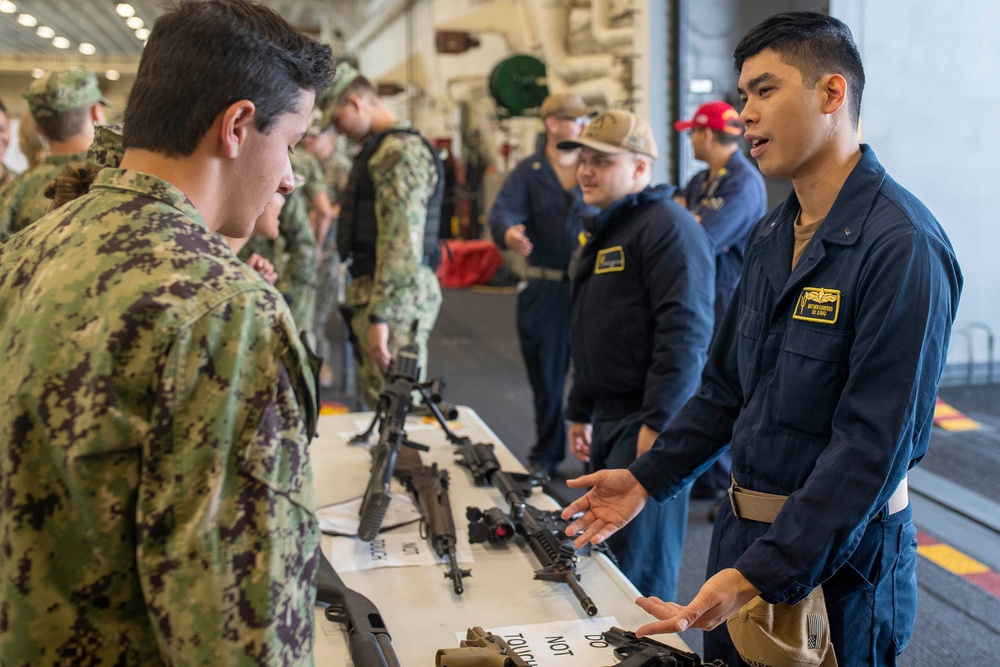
(544, 273)
(764, 507)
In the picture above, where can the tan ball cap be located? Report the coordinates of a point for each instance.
(616, 131)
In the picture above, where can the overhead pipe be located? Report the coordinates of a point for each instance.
(600, 25)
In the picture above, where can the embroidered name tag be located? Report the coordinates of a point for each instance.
(818, 304)
(610, 259)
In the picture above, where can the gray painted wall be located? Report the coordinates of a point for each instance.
(932, 72)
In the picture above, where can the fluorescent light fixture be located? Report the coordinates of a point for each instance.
(60, 42)
(134, 22)
(142, 33)
(701, 86)
(87, 49)
(125, 10)
(37, 73)
(27, 20)
(45, 32)
(7, 7)
(112, 75)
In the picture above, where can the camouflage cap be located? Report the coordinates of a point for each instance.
(342, 78)
(61, 91)
(616, 131)
(108, 148)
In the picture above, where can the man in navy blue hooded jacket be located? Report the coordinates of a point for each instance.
(643, 294)
(823, 375)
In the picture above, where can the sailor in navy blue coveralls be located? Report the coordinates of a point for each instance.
(552, 217)
(823, 376)
(825, 379)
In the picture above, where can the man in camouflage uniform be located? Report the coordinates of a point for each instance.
(294, 253)
(388, 229)
(156, 403)
(65, 105)
(322, 142)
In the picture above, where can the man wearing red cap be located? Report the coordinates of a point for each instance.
(727, 199)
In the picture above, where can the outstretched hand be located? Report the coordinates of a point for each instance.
(719, 598)
(615, 499)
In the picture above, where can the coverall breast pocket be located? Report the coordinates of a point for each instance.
(812, 374)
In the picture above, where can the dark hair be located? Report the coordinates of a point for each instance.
(74, 181)
(205, 55)
(360, 86)
(725, 138)
(3, 109)
(813, 43)
(66, 124)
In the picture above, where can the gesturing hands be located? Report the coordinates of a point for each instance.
(719, 598)
(615, 499)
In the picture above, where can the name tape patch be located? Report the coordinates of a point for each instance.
(818, 304)
(610, 259)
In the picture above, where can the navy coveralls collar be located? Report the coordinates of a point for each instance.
(595, 224)
(843, 225)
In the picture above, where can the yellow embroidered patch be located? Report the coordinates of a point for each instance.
(818, 304)
(610, 259)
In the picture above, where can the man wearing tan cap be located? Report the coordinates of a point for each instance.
(643, 290)
(538, 214)
(65, 105)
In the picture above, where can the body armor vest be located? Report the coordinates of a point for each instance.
(357, 230)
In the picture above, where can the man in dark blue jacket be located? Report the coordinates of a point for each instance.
(537, 214)
(642, 321)
(727, 199)
(823, 375)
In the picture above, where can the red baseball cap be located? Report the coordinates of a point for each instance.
(715, 116)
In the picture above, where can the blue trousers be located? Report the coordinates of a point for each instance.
(871, 599)
(543, 328)
(649, 548)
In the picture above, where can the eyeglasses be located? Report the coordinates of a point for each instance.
(581, 121)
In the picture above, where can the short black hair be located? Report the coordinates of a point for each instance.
(65, 125)
(360, 86)
(725, 138)
(203, 56)
(813, 43)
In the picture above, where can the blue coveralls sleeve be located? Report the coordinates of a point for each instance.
(702, 429)
(579, 406)
(512, 205)
(679, 270)
(743, 204)
(905, 290)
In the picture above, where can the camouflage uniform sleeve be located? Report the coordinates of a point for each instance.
(299, 272)
(313, 171)
(404, 175)
(227, 537)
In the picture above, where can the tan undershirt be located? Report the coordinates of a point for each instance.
(803, 234)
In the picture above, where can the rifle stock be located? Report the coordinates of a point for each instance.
(429, 487)
(368, 639)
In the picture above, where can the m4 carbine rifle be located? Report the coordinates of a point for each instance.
(368, 639)
(544, 531)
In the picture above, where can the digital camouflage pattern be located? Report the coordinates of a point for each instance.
(155, 410)
(107, 149)
(402, 290)
(336, 171)
(61, 91)
(24, 200)
(294, 252)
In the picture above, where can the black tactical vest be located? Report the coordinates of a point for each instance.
(357, 231)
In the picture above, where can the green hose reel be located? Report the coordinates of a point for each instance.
(518, 83)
